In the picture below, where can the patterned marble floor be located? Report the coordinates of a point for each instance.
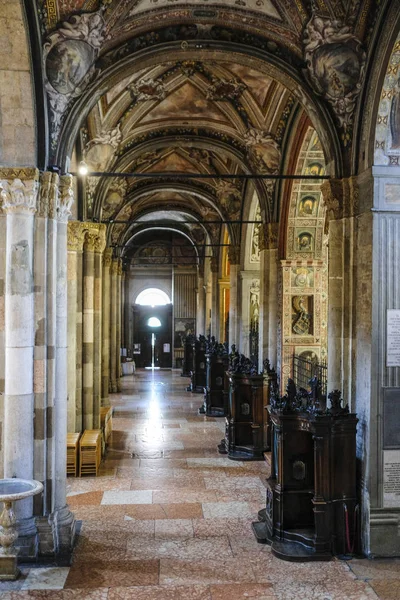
(170, 519)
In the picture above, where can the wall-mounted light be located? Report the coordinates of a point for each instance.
(83, 168)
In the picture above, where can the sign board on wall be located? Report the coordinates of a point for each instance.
(391, 478)
(393, 338)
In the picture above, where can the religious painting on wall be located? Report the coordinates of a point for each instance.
(304, 241)
(183, 328)
(302, 315)
(307, 206)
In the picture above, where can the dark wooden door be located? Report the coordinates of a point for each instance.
(143, 332)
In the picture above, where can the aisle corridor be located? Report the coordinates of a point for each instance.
(170, 519)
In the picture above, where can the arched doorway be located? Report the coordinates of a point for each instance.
(152, 329)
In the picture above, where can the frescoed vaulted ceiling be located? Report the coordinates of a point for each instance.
(206, 88)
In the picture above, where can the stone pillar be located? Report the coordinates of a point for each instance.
(88, 329)
(113, 325)
(127, 332)
(99, 246)
(234, 258)
(19, 189)
(214, 298)
(41, 412)
(51, 316)
(341, 201)
(118, 326)
(105, 328)
(123, 276)
(61, 517)
(268, 343)
(75, 247)
(201, 301)
(3, 224)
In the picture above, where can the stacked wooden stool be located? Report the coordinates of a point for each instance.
(90, 452)
(72, 453)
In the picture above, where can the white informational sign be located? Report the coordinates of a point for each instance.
(393, 338)
(391, 478)
(167, 348)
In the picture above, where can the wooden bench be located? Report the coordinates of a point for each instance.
(72, 453)
(90, 452)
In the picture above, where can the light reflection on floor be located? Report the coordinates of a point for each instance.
(170, 519)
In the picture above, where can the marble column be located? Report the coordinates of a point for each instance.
(113, 325)
(100, 244)
(234, 258)
(75, 246)
(118, 326)
(19, 190)
(61, 517)
(201, 301)
(214, 298)
(88, 329)
(268, 343)
(105, 328)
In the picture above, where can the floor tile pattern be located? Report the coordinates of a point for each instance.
(169, 519)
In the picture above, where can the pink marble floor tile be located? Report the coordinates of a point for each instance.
(113, 573)
(159, 592)
(242, 591)
(182, 572)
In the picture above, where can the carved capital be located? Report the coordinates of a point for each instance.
(19, 190)
(268, 236)
(107, 257)
(65, 198)
(341, 198)
(43, 199)
(234, 255)
(101, 240)
(76, 236)
(214, 264)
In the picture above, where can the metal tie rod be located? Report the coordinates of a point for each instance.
(175, 175)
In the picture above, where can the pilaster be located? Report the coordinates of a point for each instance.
(268, 244)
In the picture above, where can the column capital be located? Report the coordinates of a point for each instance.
(234, 255)
(268, 236)
(19, 189)
(214, 264)
(76, 236)
(65, 198)
(101, 240)
(48, 194)
(341, 198)
(107, 257)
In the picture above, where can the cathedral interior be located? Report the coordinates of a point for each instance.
(200, 200)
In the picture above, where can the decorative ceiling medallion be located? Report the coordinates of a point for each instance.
(335, 63)
(69, 54)
(147, 89)
(222, 89)
(263, 150)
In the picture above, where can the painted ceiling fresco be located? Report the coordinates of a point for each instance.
(198, 107)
